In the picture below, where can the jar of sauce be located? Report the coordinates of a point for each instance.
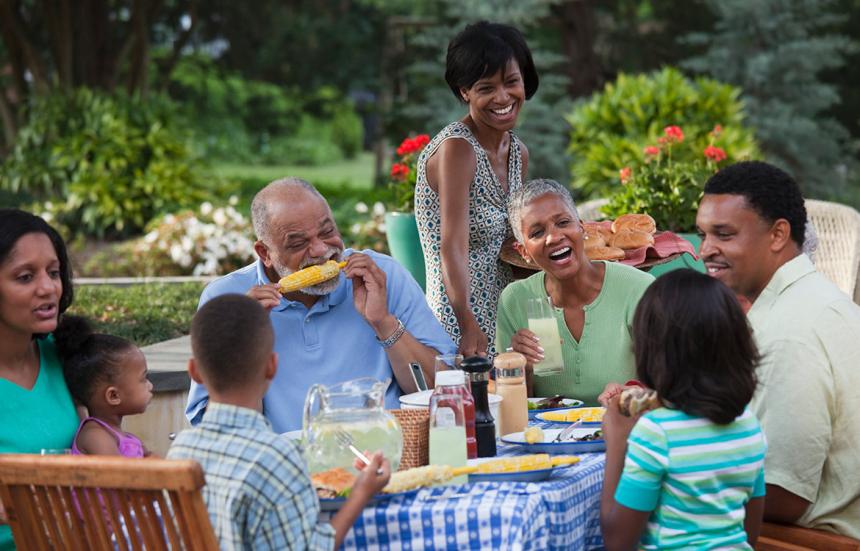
(511, 386)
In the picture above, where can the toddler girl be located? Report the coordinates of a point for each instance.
(107, 374)
(693, 477)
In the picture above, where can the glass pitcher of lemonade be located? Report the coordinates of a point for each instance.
(355, 407)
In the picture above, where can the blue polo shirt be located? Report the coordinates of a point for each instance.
(330, 343)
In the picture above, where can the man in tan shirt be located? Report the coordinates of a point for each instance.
(752, 220)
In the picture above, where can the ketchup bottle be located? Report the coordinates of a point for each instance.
(454, 382)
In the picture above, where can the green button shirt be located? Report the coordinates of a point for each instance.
(604, 352)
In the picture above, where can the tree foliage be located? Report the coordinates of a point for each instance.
(776, 51)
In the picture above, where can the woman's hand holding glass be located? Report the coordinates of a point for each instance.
(528, 344)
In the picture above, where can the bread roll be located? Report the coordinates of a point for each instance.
(594, 239)
(599, 228)
(631, 239)
(604, 253)
(639, 222)
(636, 400)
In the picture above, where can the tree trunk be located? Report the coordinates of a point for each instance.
(10, 126)
(579, 33)
(58, 16)
(178, 45)
(15, 28)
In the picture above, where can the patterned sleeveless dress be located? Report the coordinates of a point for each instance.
(488, 228)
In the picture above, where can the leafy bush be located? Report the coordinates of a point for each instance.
(104, 165)
(609, 129)
(144, 314)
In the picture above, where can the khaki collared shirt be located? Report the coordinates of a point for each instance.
(808, 399)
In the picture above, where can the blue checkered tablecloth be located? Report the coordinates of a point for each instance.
(560, 513)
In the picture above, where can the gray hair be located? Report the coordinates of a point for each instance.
(260, 204)
(528, 192)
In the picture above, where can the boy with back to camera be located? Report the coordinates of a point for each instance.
(258, 492)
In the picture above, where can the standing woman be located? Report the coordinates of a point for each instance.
(36, 409)
(465, 175)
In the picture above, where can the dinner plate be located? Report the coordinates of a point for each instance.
(536, 475)
(567, 404)
(335, 503)
(567, 447)
(550, 416)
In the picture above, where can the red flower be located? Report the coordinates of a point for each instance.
(651, 151)
(412, 145)
(674, 133)
(625, 174)
(715, 154)
(399, 171)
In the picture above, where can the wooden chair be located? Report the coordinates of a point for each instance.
(104, 503)
(783, 537)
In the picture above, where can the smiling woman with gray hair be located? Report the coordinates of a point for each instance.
(593, 301)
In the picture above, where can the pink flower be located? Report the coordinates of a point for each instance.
(716, 131)
(674, 133)
(715, 154)
(625, 174)
(651, 151)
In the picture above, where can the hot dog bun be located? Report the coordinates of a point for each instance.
(639, 222)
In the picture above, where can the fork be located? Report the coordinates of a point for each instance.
(562, 436)
(346, 440)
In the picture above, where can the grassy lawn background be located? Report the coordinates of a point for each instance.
(144, 314)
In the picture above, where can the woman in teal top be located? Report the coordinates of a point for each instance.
(593, 301)
(36, 408)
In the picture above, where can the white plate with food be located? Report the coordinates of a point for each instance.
(333, 487)
(542, 405)
(581, 440)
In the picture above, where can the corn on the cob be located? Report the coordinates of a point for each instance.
(533, 435)
(420, 477)
(310, 276)
(588, 415)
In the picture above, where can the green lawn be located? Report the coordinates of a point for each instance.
(355, 173)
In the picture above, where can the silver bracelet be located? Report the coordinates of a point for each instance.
(394, 337)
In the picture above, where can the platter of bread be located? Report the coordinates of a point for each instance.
(607, 240)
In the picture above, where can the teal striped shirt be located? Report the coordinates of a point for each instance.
(695, 475)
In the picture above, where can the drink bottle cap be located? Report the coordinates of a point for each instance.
(450, 377)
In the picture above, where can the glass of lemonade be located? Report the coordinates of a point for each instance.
(543, 323)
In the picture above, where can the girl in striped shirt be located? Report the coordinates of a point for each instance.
(689, 474)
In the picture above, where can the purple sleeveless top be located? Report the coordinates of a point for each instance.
(129, 445)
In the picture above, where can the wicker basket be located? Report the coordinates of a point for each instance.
(415, 424)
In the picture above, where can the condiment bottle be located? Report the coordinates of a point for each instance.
(447, 431)
(454, 382)
(478, 369)
(511, 386)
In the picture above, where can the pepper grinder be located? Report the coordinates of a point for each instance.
(478, 368)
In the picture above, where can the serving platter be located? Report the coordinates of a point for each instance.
(509, 255)
(335, 503)
(536, 475)
(555, 448)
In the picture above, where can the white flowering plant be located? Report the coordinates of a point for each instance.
(367, 231)
(209, 241)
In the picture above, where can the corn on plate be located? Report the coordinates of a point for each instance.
(590, 415)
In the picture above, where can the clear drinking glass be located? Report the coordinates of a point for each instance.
(55, 451)
(543, 323)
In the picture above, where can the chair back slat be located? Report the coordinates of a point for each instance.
(168, 518)
(105, 503)
(786, 537)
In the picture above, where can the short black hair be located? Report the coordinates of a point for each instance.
(769, 190)
(692, 344)
(88, 358)
(15, 224)
(231, 339)
(483, 49)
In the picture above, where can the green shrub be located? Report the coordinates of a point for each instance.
(103, 165)
(144, 314)
(610, 129)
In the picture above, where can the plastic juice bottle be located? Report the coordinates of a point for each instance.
(511, 386)
(453, 381)
(448, 433)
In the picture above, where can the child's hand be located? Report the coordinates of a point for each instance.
(616, 426)
(368, 482)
